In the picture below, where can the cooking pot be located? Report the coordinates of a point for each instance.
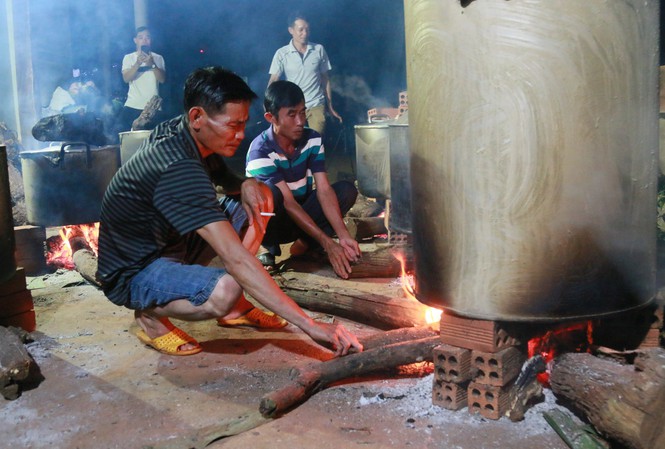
(536, 182)
(7, 262)
(373, 160)
(130, 141)
(400, 178)
(65, 186)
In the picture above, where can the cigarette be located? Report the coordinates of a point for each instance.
(267, 214)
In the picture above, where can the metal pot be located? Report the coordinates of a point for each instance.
(65, 186)
(536, 183)
(130, 141)
(400, 178)
(373, 160)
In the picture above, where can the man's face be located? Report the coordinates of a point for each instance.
(290, 122)
(142, 38)
(222, 133)
(299, 32)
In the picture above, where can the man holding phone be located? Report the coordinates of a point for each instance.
(143, 70)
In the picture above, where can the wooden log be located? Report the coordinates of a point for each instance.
(364, 207)
(315, 377)
(365, 228)
(379, 305)
(15, 363)
(625, 403)
(85, 262)
(379, 339)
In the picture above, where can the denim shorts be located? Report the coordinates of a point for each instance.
(176, 276)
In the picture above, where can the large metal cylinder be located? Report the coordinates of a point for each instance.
(7, 242)
(534, 135)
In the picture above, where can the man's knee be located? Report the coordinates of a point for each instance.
(226, 293)
(346, 195)
(277, 197)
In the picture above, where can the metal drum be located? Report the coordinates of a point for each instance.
(536, 183)
(400, 178)
(373, 160)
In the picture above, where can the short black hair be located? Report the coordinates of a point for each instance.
(139, 29)
(212, 87)
(282, 94)
(296, 15)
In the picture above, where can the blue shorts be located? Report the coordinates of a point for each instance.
(182, 274)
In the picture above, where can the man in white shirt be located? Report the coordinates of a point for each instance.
(143, 70)
(306, 64)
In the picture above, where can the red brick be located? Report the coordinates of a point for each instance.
(451, 364)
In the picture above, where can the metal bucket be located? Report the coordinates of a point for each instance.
(65, 186)
(7, 242)
(373, 160)
(130, 141)
(536, 183)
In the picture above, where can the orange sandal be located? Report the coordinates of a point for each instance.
(255, 318)
(170, 343)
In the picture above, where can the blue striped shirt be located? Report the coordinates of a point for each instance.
(267, 162)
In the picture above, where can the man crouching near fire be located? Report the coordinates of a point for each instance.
(161, 223)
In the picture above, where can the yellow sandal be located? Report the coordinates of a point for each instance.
(170, 343)
(255, 318)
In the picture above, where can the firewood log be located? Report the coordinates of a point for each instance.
(15, 362)
(381, 306)
(625, 403)
(313, 378)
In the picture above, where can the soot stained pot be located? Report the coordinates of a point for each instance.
(400, 178)
(65, 185)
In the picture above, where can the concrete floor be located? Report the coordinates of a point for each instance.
(102, 388)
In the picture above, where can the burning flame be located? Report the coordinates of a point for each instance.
(59, 250)
(571, 338)
(432, 315)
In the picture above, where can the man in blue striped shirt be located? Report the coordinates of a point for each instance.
(289, 158)
(161, 222)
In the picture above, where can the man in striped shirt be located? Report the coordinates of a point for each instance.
(161, 222)
(289, 158)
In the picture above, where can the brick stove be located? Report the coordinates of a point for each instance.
(478, 361)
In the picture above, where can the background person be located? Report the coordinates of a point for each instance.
(306, 64)
(161, 222)
(144, 70)
(289, 158)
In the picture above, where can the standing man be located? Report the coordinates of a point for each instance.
(143, 70)
(306, 64)
(289, 158)
(161, 222)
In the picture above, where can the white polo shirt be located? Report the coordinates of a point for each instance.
(145, 85)
(303, 70)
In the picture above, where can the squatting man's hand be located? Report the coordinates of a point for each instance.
(335, 337)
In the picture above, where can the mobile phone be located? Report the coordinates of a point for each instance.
(145, 49)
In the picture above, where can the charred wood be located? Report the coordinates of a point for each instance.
(313, 378)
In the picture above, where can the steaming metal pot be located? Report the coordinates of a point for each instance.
(65, 186)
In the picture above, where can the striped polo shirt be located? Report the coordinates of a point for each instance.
(160, 194)
(267, 162)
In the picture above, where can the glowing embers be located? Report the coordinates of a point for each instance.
(60, 248)
(566, 338)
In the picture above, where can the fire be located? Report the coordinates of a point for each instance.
(59, 250)
(432, 315)
(570, 338)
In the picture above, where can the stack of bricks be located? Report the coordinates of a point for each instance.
(29, 252)
(475, 366)
(16, 306)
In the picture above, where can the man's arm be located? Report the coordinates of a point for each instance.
(274, 77)
(325, 83)
(337, 254)
(254, 279)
